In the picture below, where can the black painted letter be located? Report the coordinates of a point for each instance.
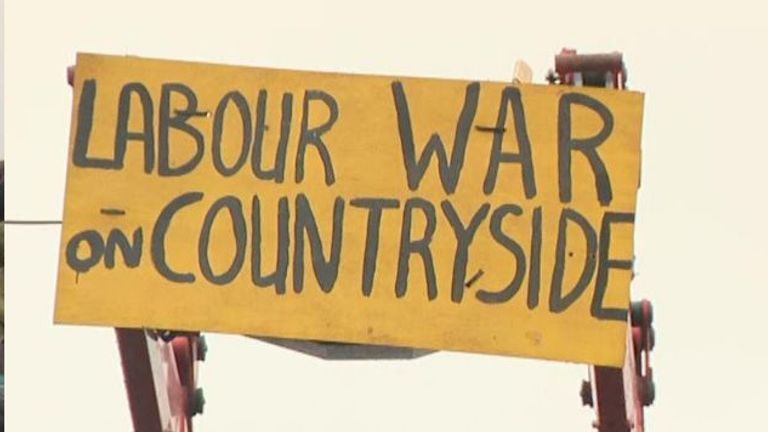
(449, 172)
(131, 252)
(238, 231)
(511, 95)
(534, 276)
(464, 236)
(313, 136)
(177, 121)
(497, 218)
(409, 246)
(83, 132)
(278, 171)
(161, 229)
(95, 243)
(326, 271)
(122, 135)
(606, 264)
(557, 302)
(375, 207)
(587, 146)
(218, 126)
(277, 278)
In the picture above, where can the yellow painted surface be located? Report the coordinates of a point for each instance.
(364, 147)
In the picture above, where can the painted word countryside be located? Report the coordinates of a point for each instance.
(443, 214)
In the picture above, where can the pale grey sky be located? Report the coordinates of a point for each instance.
(700, 232)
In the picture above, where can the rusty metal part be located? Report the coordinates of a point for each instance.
(586, 393)
(571, 62)
(589, 70)
(161, 380)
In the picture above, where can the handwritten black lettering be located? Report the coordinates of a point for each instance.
(326, 271)
(95, 243)
(464, 236)
(587, 146)
(313, 136)
(277, 277)
(235, 208)
(409, 246)
(375, 209)
(180, 122)
(131, 251)
(449, 171)
(511, 96)
(218, 127)
(160, 231)
(497, 219)
(277, 173)
(557, 302)
(605, 264)
(123, 135)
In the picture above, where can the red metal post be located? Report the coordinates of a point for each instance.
(620, 395)
(160, 379)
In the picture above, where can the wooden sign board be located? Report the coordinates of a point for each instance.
(440, 214)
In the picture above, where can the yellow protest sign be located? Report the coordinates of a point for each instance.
(441, 214)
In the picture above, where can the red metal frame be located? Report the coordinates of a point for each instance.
(160, 379)
(620, 394)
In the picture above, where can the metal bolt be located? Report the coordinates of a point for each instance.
(586, 393)
(552, 77)
(202, 348)
(650, 312)
(636, 313)
(196, 402)
(648, 391)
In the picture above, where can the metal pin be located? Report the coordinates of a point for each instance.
(490, 129)
(112, 212)
(192, 113)
(474, 278)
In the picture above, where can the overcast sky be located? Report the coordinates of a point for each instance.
(700, 231)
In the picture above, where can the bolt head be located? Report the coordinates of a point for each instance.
(202, 348)
(196, 402)
(586, 393)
